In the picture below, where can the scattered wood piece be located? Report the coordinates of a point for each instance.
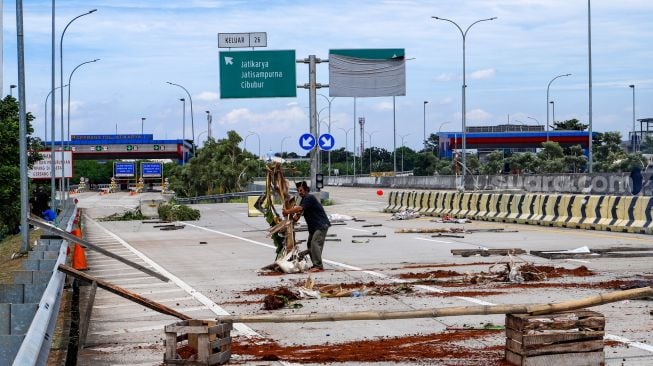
(123, 292)
(358, 220)
(166, 225)
(487, 252)
(360, 241)
(422, 231)
(175, 227)
(154, 222)
(495, 230)
(613, 252)
(332, 239)
(372, 225)
(536, 309)
(368, 236)
(447, 236)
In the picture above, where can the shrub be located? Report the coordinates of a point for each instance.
(176, 212)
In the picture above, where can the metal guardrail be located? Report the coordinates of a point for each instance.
(36, 346)
(221, 198)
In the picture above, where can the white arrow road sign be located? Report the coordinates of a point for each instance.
(307, 141)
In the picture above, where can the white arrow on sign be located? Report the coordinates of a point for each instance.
(307, 142)
(326, 142)
(228, 60)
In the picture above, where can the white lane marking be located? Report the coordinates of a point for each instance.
(578, 260)
(147, 285)
(381, 275)
(118, 281)
(646, 347)
(242, 328)
(433, 240)
(361, 230)
(133, 304)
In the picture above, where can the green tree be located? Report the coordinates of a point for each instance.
(523, 163)
(10, 163)
(608, 152)
(570, 125)
(551, 158)
(432, 143)
(575, 161)
(219, 167)
(425, 164)
(94, 171)
(493, 164)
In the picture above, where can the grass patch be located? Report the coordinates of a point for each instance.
(9, 246)
(238, 200)
(327, 202)
(125, 216)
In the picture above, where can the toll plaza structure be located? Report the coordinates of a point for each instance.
(513, 141)
(125, 146)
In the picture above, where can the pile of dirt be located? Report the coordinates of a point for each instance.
(430, 274)
(187, 353)
(279, 299)
(408, 350)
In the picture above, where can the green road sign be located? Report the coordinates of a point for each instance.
(257, 74)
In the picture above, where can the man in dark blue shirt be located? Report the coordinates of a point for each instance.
(317, 222)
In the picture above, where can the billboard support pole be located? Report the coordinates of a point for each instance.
(312, 87)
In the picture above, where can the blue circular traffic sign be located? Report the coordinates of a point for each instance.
(307, 141)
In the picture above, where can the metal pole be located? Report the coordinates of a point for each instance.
(464, 86)
(192, 121)
(589, 51)
(312, 98)
(633, 138)
(142, 123)
(183, 132)
(22, 130)
(425, 103)
(394, 137)
(547, 103)
(354, 137)
(53, 183)
(61, 186)
(403, 147)
(69, 83)
(45, 136)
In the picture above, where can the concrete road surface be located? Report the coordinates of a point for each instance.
(214, 268)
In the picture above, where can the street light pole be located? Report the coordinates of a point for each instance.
(282, 140)
(329, 100)
(464, 86)
(402, 150)
(553, 113)
(346, 144)
(142, 120)
(11, 90)
(534, 119)
(70, 77)
(183, 131)
(439, 131)
(633, 138)
(369, 135)
(259, 146)
(209, 122)
(45, 136)
(425, 103)
(61, 84)
(192, 121)
(590, 159)
(547, 103)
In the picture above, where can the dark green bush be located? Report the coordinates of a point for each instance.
(176, 212)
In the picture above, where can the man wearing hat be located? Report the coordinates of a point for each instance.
(316, 220)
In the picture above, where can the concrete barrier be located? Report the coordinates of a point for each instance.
(590, 212)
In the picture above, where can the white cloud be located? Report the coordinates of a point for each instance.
(272, 121)
(383, 106)
(483, 74)
(444, 77)
(445, 101)
(207, 96)
(478, 115)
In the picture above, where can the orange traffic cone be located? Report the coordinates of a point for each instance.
(79, 256)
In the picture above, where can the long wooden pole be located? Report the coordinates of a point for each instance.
(123, 292)
(535, 309)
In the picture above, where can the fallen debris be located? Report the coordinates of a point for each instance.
(280, 299)
(174, 227)
(372, 225)
(374, 235)
(450, 220)
(332, 239)
(360, 241)
(448, 236)
(485, 252)
(406, 215)
(585, 252)
(497, 230)
(430, 230)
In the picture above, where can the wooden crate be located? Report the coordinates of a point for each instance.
(561, 339)
(207, 342)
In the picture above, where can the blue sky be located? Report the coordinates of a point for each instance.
(142, 44)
